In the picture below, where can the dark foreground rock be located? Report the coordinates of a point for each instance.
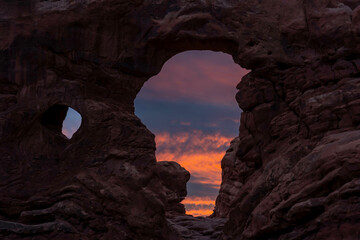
(174, 179)
(293, 172)
(197, 228)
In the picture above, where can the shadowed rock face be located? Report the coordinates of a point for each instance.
(173, 178)
(293, 172)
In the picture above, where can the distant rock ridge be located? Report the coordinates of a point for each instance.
(292, 173)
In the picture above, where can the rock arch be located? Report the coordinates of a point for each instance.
(299, 133)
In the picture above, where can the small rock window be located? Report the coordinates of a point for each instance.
(62, 119)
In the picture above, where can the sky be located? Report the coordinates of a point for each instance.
(190, 106)
(71, 123)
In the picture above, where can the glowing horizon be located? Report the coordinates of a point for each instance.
(202, 159)
(199, 206)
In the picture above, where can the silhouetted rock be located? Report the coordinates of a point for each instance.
(293, 172)
(174, 178)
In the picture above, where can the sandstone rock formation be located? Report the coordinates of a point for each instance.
(295, 173)
(232, 182)
(173, 178)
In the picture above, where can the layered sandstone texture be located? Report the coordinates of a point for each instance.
(293, 172)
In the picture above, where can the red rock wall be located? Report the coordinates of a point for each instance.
(294, 170)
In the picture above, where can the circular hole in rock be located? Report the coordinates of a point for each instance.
(62, 119)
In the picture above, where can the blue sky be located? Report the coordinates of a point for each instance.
(183, 115)
(71, 123)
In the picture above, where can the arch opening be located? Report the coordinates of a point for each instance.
(190, 106)
(62, 119)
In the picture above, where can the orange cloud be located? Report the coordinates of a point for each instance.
(199, 206)
(198, 200)
(201, 155)
(199, 212)
(206, 166)
(196, 151)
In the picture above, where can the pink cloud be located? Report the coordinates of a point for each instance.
(192, 77)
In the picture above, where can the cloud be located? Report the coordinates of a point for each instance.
(201, 76)
(194, 142)
(201, 154)
(199, 206)
(190, 106)
(165, 116)
(204, 166)
(199, 189)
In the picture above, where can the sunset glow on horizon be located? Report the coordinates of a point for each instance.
(199, 206)
(200, 154)
(190, 107)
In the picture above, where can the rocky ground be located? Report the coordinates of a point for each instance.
(197, 228)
